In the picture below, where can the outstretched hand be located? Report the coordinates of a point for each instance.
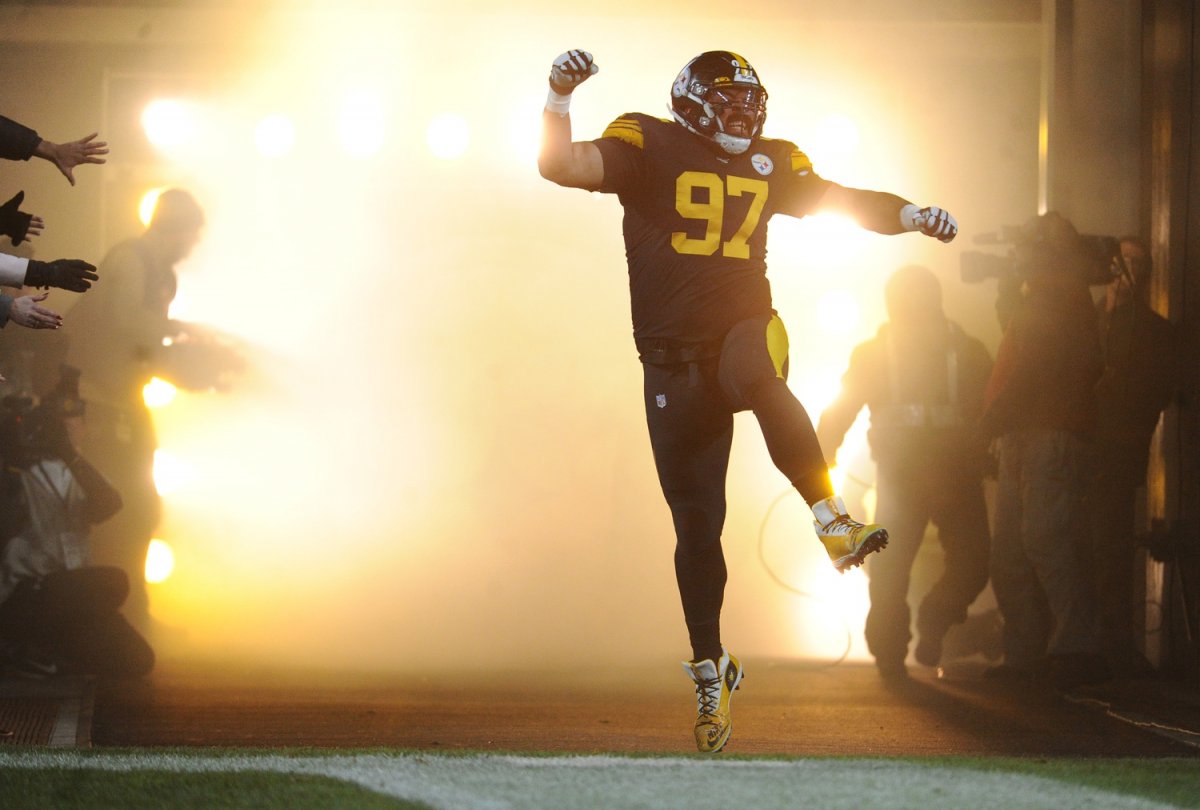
(27, 311)
(570, 70)
(75, 275)
(66, 156)
(18, 224)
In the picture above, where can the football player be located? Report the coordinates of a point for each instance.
(698, 191)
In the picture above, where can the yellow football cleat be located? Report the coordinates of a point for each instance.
(715, 683)
(847, 541)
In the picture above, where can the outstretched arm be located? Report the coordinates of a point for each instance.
(571, 164)
(17, 224)
(835, 420)
(75, 275)
(27, 311)
(887, 213)
(66, 156)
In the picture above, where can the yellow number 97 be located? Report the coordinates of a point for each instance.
(713, 213)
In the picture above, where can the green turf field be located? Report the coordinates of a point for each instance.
(296, 780)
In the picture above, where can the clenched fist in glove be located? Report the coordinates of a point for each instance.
(570, 70)
(67, 274)
(931, 221)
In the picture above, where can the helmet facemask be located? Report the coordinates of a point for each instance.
(738, 111)
(718, 96)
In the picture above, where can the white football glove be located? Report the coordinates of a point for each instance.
(570, 70)
(931, 221)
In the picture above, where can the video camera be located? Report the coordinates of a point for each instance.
(1046, 243)
(200, 358)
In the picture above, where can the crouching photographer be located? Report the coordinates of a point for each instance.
(1040, 407)
(58, 614)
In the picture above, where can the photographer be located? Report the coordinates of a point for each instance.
(1040, 406)
(58, 614)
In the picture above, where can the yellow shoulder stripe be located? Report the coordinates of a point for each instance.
(627, 130)
(800, 162)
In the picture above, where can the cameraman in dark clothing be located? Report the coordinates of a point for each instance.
(922, 378)
(57, 613)
(1040, 405)
(1140, 365)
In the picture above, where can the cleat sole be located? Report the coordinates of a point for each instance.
(875, 542)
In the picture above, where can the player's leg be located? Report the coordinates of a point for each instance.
(690, 434)
(691, 430)
(753, 375)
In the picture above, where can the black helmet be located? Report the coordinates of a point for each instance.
(716, 92)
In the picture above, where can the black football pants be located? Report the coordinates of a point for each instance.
(689, 411)
(75, 615)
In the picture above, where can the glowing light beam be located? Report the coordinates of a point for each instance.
(160, 561)
(275, 136)
(170, 124)
(448, 136)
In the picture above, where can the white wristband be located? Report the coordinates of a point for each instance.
(12, 270)
(907, 213)
(559, 105)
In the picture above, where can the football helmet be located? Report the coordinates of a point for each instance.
(718, 96)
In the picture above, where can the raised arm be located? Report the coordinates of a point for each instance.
(562, 161)
(887, 213)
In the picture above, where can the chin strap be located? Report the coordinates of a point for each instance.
(730, 143)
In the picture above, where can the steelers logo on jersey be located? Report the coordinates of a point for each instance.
(762, 164)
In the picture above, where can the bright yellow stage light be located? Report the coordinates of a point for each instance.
(525, 131)
(448, 136)
(170, 124)
(361, 124)
(170, 474)
(275, 136)
(158, 393)
(160, 561)
(838, 311)
(836, 135)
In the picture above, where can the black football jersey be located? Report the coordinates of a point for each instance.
(695, 223)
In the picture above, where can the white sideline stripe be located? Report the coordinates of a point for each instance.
(500, 782)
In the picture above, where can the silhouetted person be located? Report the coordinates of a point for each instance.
(1140, 367)
(1041, 406)
(922, 378)
(58, 613)
(116, 336)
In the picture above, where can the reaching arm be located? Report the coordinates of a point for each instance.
(75, 275)
(571, 164)
(17, 224)
(835, 420)
(28, 311)
(66, 156)
(887, 213)
(17, 141)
